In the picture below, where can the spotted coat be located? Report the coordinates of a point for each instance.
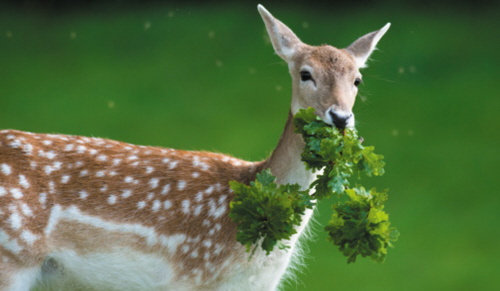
(94, 195)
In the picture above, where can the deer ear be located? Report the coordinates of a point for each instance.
(362, 48)
(284, 41)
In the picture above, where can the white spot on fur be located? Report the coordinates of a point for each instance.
(167, 204)
(185, 206)
(15, 221)
(69, 147)
(6, 169)
(65, 179)
(129, 179)
(126, 193)
(165, 189)
(81, 149)
(42, 198)
(28, 148)
(29, 237)
(194, 240)
(133, 157)
(100, 173)
(216, 210)
(197, 210)
(181, 185)
(154, 182)
(207, 243)
(84, 173)
(83, 194)
(172, 242)
(173, 165)
(104, 188)
(26, 210)
(92, 151)
(116, 162)
(149, 170)
(195, 174)
(102, 158)
(218, 249)
(165, 160)
(24, 182)
(199, 197)
(112, 199)
(15, 144)
(16, 193)
(196, 161)
(33, 164)
(209, 190)
(185, 249)
(141, 204)
(47, 142)
(55, 166)
(2, 191)
(52, 187)
(50, 155)
(9, 244)
(156, 205)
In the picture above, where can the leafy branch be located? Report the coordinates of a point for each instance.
(267, 214)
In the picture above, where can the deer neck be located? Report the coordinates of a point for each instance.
(285, 162)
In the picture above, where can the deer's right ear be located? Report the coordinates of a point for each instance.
(362, 48)
(284, 41)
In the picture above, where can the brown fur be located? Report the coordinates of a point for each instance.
(96, 171)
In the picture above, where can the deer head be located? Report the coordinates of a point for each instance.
(324, 77)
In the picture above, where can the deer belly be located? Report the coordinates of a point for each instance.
(120, 269)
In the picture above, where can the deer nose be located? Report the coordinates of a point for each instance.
(339, 119)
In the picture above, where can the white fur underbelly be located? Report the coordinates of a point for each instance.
(129, 270)
(123, 269)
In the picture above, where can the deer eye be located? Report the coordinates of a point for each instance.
(305, 76)
(357, 82)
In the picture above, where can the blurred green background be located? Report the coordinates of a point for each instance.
(204, 77)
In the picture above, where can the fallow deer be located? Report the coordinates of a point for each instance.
(79, 213)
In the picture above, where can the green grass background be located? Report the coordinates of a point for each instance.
(205, 78)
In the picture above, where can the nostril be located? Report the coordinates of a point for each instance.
(340, 121)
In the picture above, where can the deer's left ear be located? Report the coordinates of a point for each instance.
(362, 48)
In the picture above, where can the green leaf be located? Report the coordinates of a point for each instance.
(365, 229)
(373, 164)
(265, 178)
(267, 214)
